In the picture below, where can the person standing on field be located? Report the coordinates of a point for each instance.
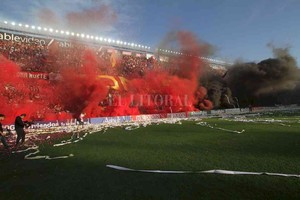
(19, 127)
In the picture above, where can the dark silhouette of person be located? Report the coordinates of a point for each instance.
(2, 138)
(19, 127)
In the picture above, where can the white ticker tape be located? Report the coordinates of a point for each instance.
(214, 171)
(74, 139)
(31, 156)
(205, 124)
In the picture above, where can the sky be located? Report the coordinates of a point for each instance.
(238, 29)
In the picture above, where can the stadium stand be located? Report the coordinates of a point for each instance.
(36, 50)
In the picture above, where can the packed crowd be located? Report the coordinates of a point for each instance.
(52, 58)
(31, 57)
(41, 58)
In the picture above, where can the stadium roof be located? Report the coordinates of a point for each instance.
(64, 34)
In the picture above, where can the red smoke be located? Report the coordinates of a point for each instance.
(96, 18)
(48, 17)
(88, 18)
(80, 88)
(18, 95)
(174, 88)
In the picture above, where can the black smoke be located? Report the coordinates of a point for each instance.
(218, 92)
(274, 81)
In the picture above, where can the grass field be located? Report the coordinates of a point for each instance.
(263, 147)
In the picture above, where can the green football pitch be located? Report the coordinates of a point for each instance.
(270, 143)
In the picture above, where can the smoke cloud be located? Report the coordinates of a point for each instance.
(87, 19)
(48, 17)
(78, 87)
(101, 17)
(269, 82)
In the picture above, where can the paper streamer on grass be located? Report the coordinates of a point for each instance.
(222, 129)
(31, 137)
(36, 148)
(74, 139)
(90, 129)
(244, 119)
(71, 140)
(29, 156)
(132, 127)
(136, 125)
(214, 171)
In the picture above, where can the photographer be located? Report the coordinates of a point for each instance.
(2, 138)
(19, 127)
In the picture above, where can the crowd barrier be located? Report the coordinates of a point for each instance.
(139, 118)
